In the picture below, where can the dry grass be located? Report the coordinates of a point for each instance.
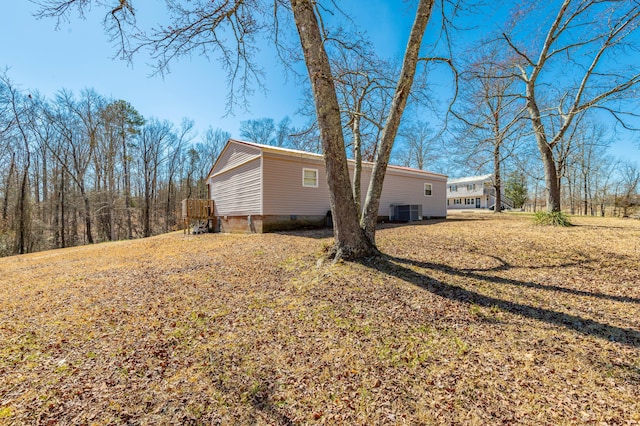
(474, 320)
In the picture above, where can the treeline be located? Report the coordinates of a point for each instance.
(82, 168)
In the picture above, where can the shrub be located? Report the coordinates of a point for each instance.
(552, 219)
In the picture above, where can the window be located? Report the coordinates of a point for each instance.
(453, 188)
(471, 187)
(469, 201)
(427, 190)
(310, 178)
(457, 201)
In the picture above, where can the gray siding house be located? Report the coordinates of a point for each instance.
(261, 188)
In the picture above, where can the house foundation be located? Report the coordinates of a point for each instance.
(255, 224)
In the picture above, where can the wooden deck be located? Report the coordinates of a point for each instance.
(198, 213)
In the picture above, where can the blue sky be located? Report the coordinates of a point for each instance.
(79, 55)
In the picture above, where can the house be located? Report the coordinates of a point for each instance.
(261, 188)
(474, 192)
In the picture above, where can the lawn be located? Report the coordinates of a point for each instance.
(474, 320)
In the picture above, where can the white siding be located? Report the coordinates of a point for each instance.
(237, 192)
(234, 155)
(408, 188)
(285, 195)
(283, 190)
(261, 180)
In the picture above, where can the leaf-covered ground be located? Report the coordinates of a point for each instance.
(473, 320)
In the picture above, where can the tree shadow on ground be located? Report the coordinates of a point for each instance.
(394, 266)
(505, 266)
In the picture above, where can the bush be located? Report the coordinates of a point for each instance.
(552, 219)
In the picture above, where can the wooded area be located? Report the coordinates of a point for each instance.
(80, 169)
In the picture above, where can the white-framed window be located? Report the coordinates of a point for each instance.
(453, 188)
(457, 201)
(469, 201)
(471, 187)
(310, 178)
(427, 190)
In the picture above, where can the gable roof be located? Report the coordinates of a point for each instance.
(468, 179)
(305, 154)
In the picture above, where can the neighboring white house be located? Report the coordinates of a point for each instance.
(473, 192)
(261, 188)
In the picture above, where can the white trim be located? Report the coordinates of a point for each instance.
(293, 153)
(430, 189)
(261, 183)
(308, 169)
(234, 167)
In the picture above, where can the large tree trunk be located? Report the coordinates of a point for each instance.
(403, 88)
(87, 214)
(586, 195)
(350, 240)
(546, 151)
(497, 178)
(357, 170)
(550, 178)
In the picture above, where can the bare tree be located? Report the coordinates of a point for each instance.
(364, 89)
(20, 112)
(7, 155)
(154, 139)
(491, 114)
(353, 239)
(584, 36)
(126, 121)
(262, 131)
(62, 169)
(199, 26)
(602, 182)
(174, 155)
(208, 151)
(283, 132)
(629, 181)
(77, 122)
(590, 145)
(108, 156)
(421, 144)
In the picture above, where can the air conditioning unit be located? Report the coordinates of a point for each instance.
(405, 212)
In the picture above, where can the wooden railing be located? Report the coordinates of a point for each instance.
(197, 209)
(198, 216)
